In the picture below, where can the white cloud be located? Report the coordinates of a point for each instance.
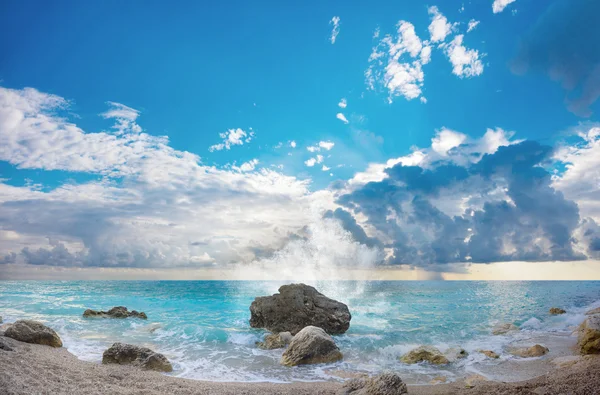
(439, 28)
(313, 161)
(445, 140)
(232, 137)
(326, 145)
(293, 144)
(465, 62)
(472, 25)
(500, 5)
(341, 117)
(335, 21)
(325, 168)
(249, 166)
(343, 103)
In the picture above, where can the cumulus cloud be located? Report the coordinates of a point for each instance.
(563, 44)
(232, 137)
(341, 117)
(325, 145)
(472, 25)
(335, 22)
(293, 144)
(249, 166)
(439, 28)
(343, 103)
(500, 5)
(313, 161)
(465, 62)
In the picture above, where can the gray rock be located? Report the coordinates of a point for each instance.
(115, 312)
(310, 346)
(297, 306)
(588, 339)
(382, 384)
(4, 346)
(128, 354)
(275, 340)
(33, 332)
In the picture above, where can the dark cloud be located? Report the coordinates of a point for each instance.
(9, 258)
(349, 223)
(564, 44)
(529, 221)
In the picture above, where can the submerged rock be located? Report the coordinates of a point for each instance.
(275, 340)
(504, 328)
(557, 311)
(382, 384)
(593, 311)
(529, 352)
(425, 353)
(489, 354)
(33, 332)
(128, 354)
(588, 339)
(297, 306)
(310, 346)
(115, 312)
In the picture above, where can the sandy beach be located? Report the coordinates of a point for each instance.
(36, 369)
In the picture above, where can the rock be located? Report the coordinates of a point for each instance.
(0, 319)
(33, 332)
(593, 311)
(473, 379)
(557, 311)
(4, 346)
(438, 380)
(504, 328)
(115, 312)
(382, 384)
(529, 352)
(4, 327)
(425, 353)
(489, 354)
(588, 339)
(297, 306)
(311, 345)
(275, 340)
(454, 354)
(128, 354)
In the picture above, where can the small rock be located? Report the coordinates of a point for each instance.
(128, 354)
(4, 346)
(504, 328)
(438, 380)
(588, 339)
(275, 340)
(425, 353)
(382, 384)
(473, 379)
(557, 311)
(33, 332)
(593, 311)
(489, 354)
(529, 352)
(310, 346)
(115, 312)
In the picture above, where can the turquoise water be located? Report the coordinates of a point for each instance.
(202, 326)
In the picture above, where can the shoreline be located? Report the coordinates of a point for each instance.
(37, 369)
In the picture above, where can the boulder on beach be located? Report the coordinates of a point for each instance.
(588, 339)
(297, 306)
(128, 354)
(425, 353)
(115, 312)
(556, 311)
(593, 311)
(275, 340)
(529, 352)
(489, 354)
(33, 332)
(503, 328)
(310, 346)
(382, 384)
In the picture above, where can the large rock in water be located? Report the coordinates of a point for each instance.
(115, 312)
(383, 384)
(588, 340)
(557, 311)
(145, 358)
(529, 352)
(297, 306)
(425, 353)
(34, 332)
(275, 340)
(311, 345)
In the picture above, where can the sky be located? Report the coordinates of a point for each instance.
(246, 140)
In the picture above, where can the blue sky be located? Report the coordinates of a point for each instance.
(417, 78)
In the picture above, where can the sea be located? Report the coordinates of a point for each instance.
(202, 326)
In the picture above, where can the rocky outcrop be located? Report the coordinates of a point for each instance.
(489, 354)
(382, 384)
(556, 311)
(588, 339)
(33, 332)
(128, 354)
(297, 306)
(529, 352)
(425, 353)
(115, 312)
(310, 346)
(275, 340)
(593, 311)
(504, 328)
